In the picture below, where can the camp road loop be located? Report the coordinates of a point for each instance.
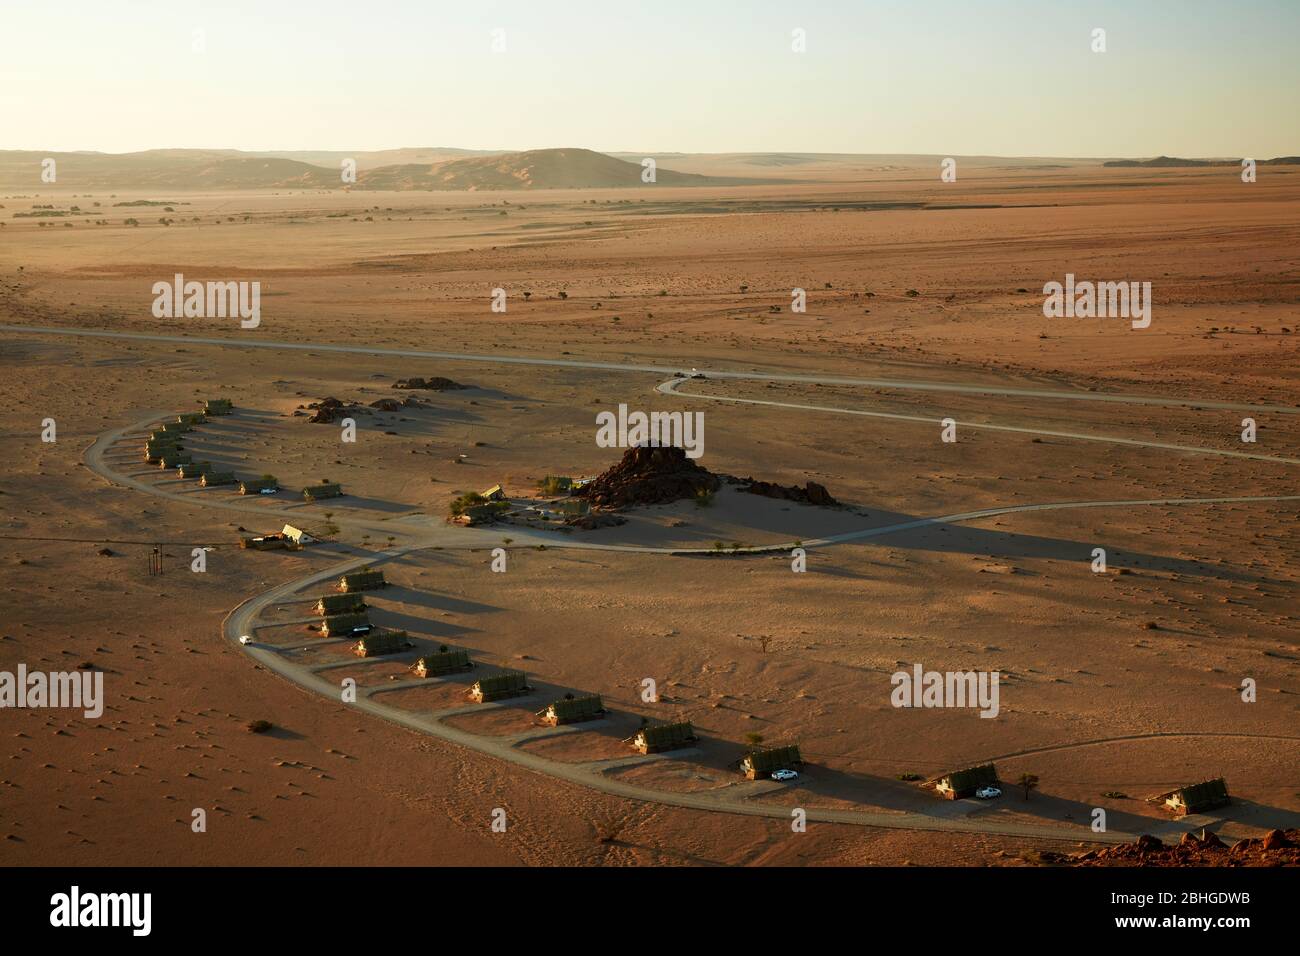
(242, 620)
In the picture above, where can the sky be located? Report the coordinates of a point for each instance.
(947, 77)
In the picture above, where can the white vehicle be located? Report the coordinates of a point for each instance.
(245, 639)
(988, 793)
(784, 775)
(268, 491)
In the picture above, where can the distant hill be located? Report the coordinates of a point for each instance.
(441, 167)
(532, 169)
(433, 168)
(162, 169)
(1159, 161)
(1165, 162)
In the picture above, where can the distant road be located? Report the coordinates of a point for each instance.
(673, 387)
(761, 376)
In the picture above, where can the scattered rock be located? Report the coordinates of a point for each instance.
(330, 410)
(812, 493)
(1275, 840)
(1206, 848)
(434, 384)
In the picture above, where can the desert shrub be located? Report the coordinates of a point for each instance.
(554, 485)
(466, 501)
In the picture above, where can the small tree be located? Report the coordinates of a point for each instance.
(754, 739)
(1028, 782)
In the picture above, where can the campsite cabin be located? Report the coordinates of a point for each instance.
(573, 506)
(297, 535)
(211, 478)
(174, 460)
(446, 661)
(339, 604)
(162, 435)
(194, 469)
(218, 406)
(761, 763)
(191, 418)
(255, 487)
(176, 428)
(368, 580)
(961, 784)
(266, 542)
(156, 453)
(381, 642)
(317, 492)
(571, 710)
(653, 740)
(500, 686)
(1198, 797)
(494, 494)
(341, 625)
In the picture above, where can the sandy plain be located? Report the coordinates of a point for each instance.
(1125, 682)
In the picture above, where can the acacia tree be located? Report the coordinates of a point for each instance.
(1028, 782)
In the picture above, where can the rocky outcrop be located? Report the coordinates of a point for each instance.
(649, 476)
(1203, 848)
(811, 493)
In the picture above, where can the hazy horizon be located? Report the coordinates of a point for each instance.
(935, 77)
(363, 150)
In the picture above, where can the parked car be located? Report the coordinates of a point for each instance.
(361, 629)
(245, 639)
(988, 793)
(268, 491)
(784, 775)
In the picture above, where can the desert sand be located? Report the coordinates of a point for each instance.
(924, 301)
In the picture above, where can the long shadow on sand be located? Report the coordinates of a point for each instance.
(958, 538)
(416, 625)
(441, 602)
